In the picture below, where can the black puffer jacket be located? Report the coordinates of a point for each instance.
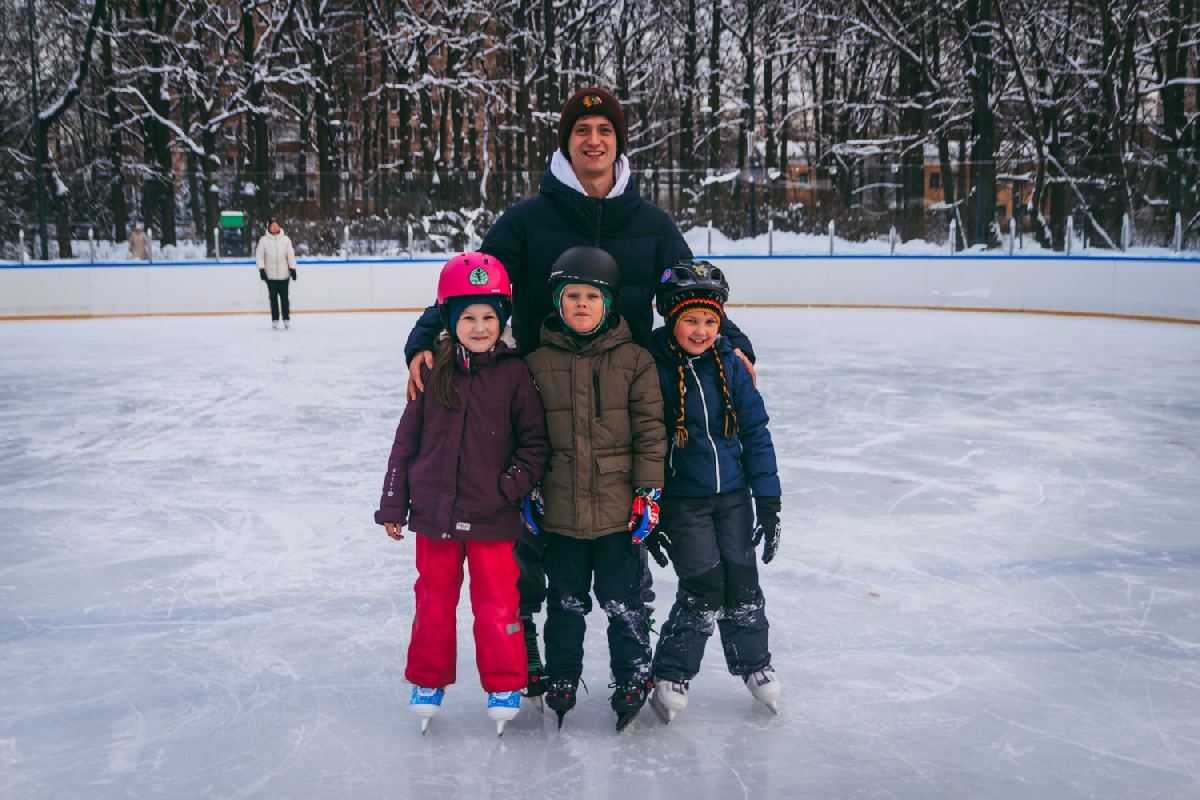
(529, 237)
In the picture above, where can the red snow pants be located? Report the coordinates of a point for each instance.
(499, 641)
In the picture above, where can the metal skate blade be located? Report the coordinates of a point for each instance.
(500, 723)
(625, 720)
(425, 725)
(664, 714)
(561, 714)
(774, 708)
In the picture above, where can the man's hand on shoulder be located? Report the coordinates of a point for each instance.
(737, 351)
(415, 384)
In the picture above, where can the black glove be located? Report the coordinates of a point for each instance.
(767, 510)
(262, 274)
(293, 273)
(658, 544)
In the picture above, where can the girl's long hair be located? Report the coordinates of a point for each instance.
(443, 373)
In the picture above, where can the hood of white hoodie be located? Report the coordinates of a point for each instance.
(562, 169)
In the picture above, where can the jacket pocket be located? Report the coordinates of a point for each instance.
(614, 490)
(618, 463)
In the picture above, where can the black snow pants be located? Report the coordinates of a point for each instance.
(279, 297)
(531, 584)
(615, 567)
(718, 583)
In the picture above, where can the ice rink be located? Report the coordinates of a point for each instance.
(988, 587)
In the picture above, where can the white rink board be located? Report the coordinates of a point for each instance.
(1154, 287)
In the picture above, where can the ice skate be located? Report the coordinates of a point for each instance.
(627, 700)
(426, 703)
(287, 325)
(669, 699)
(274, 324)
(560, 696)
(537, 673)
(502, 707)
(764, 685)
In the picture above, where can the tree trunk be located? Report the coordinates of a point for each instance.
(326, 166)
(1174, 116)
(912, 135)
(550, 65)
(116, 190)
(521, 107)
(687, 106)
(714, 89)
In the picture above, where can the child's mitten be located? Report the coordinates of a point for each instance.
(644, 514)
(658, 543)
(532, 510)
(767, 510)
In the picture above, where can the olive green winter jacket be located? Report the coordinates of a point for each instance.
(604, 413)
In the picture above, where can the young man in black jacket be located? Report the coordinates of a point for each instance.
(587, 197)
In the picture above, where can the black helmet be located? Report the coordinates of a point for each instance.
(587, 265)
(689, 279)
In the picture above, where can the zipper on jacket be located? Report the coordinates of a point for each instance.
(599, 216)
(707, 432)
(596, 391)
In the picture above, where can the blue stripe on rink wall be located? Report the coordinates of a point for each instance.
(965, 256)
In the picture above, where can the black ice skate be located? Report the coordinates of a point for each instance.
(537, 673)
(627, 700)
(560, 696)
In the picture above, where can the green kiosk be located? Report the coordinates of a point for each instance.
(233, 234)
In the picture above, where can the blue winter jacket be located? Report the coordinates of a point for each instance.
(712, 463)
(529, 237)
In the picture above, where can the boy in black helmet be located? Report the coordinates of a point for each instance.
(604, 415)
(719, 453)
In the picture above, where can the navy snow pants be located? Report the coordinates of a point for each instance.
(612, 566)
(718, 584)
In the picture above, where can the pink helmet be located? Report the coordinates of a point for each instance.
(474, 274)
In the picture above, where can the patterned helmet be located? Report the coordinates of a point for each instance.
(687, 280)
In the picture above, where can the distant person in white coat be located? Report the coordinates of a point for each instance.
(139, 243)
(276, 265)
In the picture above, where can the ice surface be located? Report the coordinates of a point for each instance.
(987, 586)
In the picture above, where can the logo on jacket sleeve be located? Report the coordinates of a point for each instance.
(478, 277)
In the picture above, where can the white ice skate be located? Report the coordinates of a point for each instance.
(287, 324)
(425, 703)
(669, 699)
(764, 685)
(274, 324)
(502, 707)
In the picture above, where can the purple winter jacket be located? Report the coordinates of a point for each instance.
(463, 474)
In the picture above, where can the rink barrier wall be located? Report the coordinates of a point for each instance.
(1150, 288)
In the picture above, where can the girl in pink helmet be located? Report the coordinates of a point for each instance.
(466, 453)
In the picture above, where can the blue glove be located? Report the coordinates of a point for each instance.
(533, 510)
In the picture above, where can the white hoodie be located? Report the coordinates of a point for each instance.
(562, 169)
(276, 256)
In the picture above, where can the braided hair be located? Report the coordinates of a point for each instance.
(728, 414)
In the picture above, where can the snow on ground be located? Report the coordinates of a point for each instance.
(987, 587)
